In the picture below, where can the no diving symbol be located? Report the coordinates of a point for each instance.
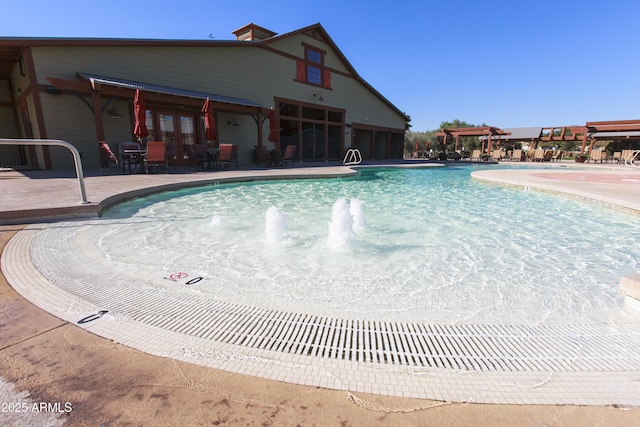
(182, 275)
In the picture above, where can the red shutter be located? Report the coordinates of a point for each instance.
(327, 79)
(302, 71)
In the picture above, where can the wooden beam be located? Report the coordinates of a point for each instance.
(615, 128)
(613, 122)
(71, 85)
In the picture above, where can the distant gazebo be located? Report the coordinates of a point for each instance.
(530, 135)
(487, 131)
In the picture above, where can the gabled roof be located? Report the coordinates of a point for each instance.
(252, 31)
(318, 31)
(315, 30)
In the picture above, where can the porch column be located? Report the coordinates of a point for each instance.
(490, 141)
(584, 142)
(259, 121)
(97, 118)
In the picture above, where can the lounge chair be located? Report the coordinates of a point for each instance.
(557, 156)
(475, 155)
(228, 154)
(598, 156)
(616, 157)
(289, 154)
(516, 156)
(156, 156)
(496, 155)
(538, 155)
(113, 160)
(626, 156)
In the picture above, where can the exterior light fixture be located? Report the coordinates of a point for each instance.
(318, 95)
(113, 113)
(234, 123)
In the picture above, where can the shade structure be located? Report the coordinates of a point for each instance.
(273, 131)
(209, 121)
(140, 112)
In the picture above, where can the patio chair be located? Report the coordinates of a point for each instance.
(130, 155)
(496, 155)
(289, 155)
(198, 154)
(475, 155)
(156, 156)
(228, 154)
(263, 156)
(113, 160)
(172, 150)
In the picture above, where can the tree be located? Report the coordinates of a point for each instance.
(468, 142)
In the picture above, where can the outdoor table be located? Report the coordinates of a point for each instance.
(276, 158)
(213, 158)
(139, 156)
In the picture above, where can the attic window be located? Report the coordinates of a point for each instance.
(312, 70)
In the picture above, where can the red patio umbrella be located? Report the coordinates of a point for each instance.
(140, 111)
(273, 132)
(209, 121)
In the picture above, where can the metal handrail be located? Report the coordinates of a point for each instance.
(630, 160)
(76, 157)
(352, 157)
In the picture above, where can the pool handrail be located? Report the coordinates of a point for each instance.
(352, 157)
(57, 142)
(632, 157)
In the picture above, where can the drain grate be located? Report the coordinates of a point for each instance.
(467, 347)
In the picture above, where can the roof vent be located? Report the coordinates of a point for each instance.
(251, 32)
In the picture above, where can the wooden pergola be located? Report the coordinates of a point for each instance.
(610, 130)
(488, 131)
(566, 133)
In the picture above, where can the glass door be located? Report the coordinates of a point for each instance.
(177, 129)
(313, 142)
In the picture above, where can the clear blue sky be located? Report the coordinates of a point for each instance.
(503, 63)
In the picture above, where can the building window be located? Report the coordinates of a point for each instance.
(311, 70)
(314, 75)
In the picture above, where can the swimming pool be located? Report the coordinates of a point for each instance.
(434, 247)
(335, 284)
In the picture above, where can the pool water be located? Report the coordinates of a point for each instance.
(426, 245)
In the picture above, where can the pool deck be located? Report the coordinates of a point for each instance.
(40, 196)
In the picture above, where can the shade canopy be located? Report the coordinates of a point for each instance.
(209, 121)
(273, 131)
(140, 112)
